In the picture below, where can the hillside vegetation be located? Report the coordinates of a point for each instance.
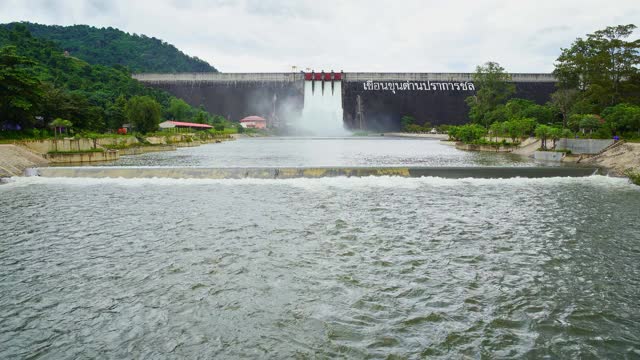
(39, 83)
(109, 47)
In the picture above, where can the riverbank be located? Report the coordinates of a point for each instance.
(15, 158)
(617, 160)
(417, 135)
(614, 161)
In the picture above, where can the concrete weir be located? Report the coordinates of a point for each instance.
(312, 172)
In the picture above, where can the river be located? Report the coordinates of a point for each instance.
(375, 267)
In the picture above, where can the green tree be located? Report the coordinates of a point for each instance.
(59, 124)
(624, 117)
(20, 91)
(115, 113)
(201, 117)
(543, 132)
(179, 110)
(589, 123)
(519, 128)
(494, 88)
(604, 66)
(143, 112)
(495, 130)
(555, 134)
(406, 122)
(467, 133)
(563, 100)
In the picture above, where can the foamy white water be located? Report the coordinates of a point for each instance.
(322, 114)
(347, 183)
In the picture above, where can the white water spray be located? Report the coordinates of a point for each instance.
(322, 114)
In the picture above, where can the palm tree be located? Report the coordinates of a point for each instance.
(59, 124)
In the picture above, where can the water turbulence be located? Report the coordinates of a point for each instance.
(311, 172)
(322, 114)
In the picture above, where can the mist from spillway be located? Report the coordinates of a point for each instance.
(322, 114)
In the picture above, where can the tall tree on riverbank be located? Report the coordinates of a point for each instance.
(603, 67)
(144, 113)
(563, 100)
(179, 110)
(19, 89)
(494, 88)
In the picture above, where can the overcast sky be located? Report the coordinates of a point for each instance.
(349, 35)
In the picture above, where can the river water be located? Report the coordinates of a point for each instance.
(376, 267)
(354, 151)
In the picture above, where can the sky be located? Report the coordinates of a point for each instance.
(349, 35)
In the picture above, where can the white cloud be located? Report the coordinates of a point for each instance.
(356, 35)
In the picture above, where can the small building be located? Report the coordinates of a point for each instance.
(170, 124)
(254, 122)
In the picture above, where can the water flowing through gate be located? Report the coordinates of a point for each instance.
(322, 114)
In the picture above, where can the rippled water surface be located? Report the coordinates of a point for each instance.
(320, 268)
(354, 151)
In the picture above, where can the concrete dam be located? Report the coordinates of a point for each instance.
(369, 101)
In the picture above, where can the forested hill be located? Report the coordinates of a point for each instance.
(109, 47)
(40, 83)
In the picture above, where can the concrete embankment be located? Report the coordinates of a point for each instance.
(83, 157)
(418, 136)
(319, 172)
(14, 160)
(617, 159)
(32, 153)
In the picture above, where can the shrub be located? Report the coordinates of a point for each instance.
(467, 133)
(633, 175)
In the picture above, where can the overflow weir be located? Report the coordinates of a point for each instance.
(310, 172)
(370, 101)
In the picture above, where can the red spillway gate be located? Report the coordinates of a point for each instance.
(322, 76)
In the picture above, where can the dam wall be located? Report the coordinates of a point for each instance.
(273, 96)
(371, 101)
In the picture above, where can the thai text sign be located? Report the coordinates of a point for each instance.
(371, 85)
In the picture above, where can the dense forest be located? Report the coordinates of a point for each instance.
(109, 47)
(40, 83)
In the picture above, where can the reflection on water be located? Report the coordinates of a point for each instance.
(352, 151)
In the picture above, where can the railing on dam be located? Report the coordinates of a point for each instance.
(355, 77)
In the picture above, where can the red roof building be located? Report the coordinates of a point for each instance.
(254, 122)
